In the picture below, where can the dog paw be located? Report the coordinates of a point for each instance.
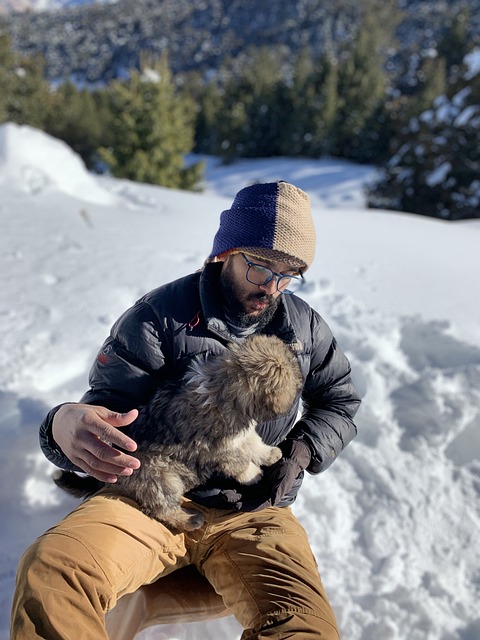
(274, 456)
(181, 519)
(194, 521)
(251, 475)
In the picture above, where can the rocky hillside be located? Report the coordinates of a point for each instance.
(95, 42)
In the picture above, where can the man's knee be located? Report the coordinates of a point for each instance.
(268, 577)
(55, 559)
(56, 580)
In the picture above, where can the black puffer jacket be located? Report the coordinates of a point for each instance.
(158, 337)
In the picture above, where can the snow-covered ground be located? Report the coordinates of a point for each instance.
(394, 522)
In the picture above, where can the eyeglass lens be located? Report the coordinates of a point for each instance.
(258, 274)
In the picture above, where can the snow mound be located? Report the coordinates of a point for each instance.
(32, 161)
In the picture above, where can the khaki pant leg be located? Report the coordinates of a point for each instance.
(182, 596)
(263, 567)
(73, 574)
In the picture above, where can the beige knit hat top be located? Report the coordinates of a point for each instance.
(271, 221)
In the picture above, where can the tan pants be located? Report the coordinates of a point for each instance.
(259, 563)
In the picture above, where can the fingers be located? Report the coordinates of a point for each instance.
(102, 461)
(86, 433)
(105, 425)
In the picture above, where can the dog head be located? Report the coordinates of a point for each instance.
(257, 379)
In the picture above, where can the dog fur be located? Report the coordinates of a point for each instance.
(204, 425)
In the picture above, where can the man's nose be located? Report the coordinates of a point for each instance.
(270, 287)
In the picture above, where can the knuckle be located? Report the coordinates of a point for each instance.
(83, 466)
(102, 431)
(84, 417)
(100, 452)
(94, 463)
(104, 436)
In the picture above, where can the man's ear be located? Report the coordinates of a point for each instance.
(224, 257)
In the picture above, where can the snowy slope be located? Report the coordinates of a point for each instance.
(394, 522)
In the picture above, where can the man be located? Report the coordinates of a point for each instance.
(251, 549)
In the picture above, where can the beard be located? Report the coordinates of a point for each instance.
(234, 297)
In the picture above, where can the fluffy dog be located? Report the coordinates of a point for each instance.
(203, 425)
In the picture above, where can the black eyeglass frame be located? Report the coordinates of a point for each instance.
(279, 276)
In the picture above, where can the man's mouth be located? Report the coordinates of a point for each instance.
(258, 303)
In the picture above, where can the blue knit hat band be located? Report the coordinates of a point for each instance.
(271, 220)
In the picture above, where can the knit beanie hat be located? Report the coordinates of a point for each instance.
(271, 221)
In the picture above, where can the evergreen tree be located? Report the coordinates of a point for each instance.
(310, 106)
(151, 129)
(208, 99)
(264, 110)
(248, 123)
(435, 170)
(80, 118)
(297, 97)
(362, 83)
(231, 123)
(7, 77)
(25, 96)
(329, 104)
(455, 43)
(432, 83)
(31, 99)
(427, 81)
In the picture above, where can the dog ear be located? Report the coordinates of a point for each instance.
(267, 373)
(258, 379)
(279, 381)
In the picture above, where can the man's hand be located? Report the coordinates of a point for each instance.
(283, 474)
(278, 479)
(85, 434)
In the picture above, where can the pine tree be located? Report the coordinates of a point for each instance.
(249, 120)
(80, 118)
(362, 83)
(31, 98)
(151, 129)
(329, 104)
(432, 83)
(7, 77)
(25, 95)
(455, 43)
(261, 82)
(207, 97)
(310, 106)
(435, 170)
(298, 95)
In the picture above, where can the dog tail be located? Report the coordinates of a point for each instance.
(75, 485)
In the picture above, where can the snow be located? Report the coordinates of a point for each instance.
(23, 163)
(394, 522)
(465, 116)
(439, 174)
(472, 60)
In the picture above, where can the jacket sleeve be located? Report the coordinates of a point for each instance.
(125, 373)
(330, 400)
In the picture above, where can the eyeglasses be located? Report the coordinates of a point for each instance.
(259, 274)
